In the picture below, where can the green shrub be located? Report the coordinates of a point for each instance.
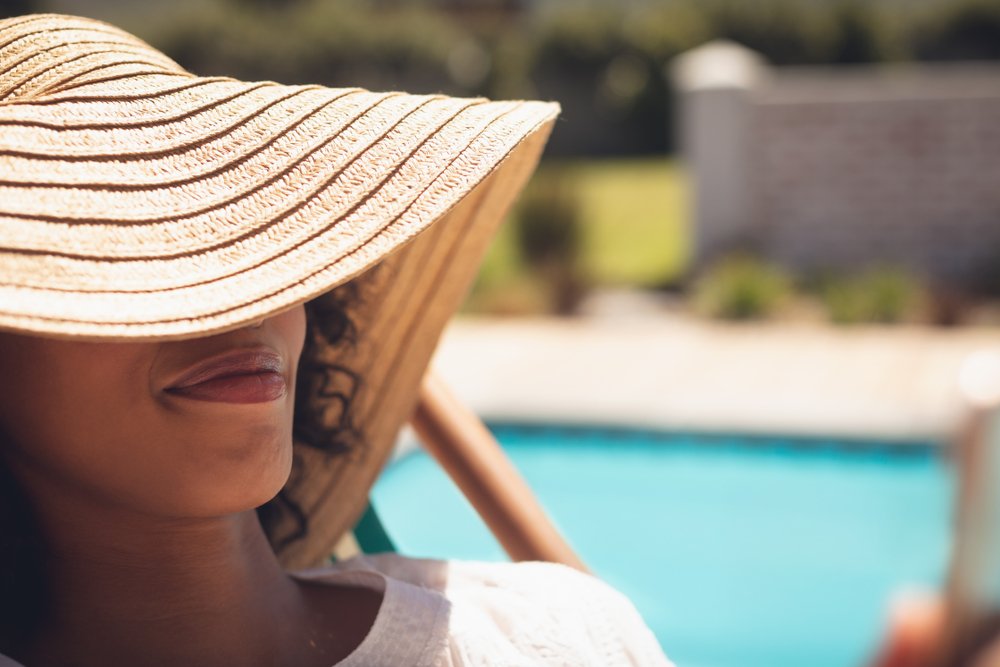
(549, 237)
(880, 295)
(862, 32)
(548, 226)
(741, 287)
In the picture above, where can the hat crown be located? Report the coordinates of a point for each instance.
(44, 54)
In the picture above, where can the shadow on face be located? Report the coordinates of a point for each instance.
(192, 428)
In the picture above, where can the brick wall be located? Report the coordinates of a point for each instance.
(862, 166)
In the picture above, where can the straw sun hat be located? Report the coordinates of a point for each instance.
(139, 201)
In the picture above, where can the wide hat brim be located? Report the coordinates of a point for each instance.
(141, 202)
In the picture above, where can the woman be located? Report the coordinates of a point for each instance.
(159, 235)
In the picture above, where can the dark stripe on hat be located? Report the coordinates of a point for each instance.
(55, 85)
(116, 77)
(61, 26)
(125, 97)
(15, 22)
(165, 120)
(83, 78)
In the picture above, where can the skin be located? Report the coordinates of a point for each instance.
(917, 630)
(146, 502)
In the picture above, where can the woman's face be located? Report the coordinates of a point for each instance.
(191, 428)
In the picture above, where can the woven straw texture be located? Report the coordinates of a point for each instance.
(139, 201)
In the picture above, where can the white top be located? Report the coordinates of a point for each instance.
(456, 614)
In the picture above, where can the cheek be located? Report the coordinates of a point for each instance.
(59, 395)
(83, 417)
(64, 404)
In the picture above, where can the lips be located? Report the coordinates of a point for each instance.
(239, 376)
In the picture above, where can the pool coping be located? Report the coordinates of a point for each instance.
(678, 373)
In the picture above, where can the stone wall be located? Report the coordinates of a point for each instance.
(826, 169)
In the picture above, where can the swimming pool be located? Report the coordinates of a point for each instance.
(738, 551)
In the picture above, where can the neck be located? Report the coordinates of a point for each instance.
(193, 566)
(131, 586)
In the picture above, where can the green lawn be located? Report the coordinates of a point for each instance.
(634, 219)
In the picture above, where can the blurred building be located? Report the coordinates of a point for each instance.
(842, 168)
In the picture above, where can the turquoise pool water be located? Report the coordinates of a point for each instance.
(738, 552)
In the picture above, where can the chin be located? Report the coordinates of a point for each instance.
(233, 498)
(262, 482)
(235, 476)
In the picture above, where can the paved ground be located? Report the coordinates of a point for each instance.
(676, 372)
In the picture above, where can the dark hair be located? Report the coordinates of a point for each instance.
(324, 389)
